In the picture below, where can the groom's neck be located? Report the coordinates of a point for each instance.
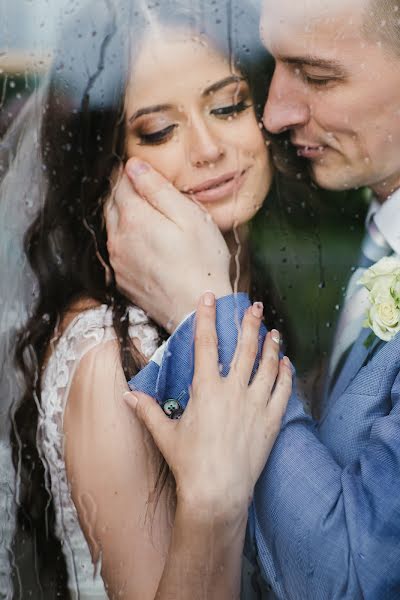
(386, 188)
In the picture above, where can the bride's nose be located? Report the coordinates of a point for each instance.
(204, 147)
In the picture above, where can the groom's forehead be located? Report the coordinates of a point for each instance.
(310, 25)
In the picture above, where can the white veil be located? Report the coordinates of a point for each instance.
(22, 184)
(23, 187)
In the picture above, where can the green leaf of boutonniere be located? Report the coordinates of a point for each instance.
(370, 339)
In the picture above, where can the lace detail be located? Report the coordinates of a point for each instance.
(89, 329)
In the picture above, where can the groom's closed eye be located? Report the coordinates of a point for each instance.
(316, 71)
(319, 80)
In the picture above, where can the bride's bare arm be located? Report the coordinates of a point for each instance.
(112, 467)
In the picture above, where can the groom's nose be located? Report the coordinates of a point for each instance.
(286, 106)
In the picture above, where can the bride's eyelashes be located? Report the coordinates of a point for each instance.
(166, 133)
(231, 110)
(157, 137)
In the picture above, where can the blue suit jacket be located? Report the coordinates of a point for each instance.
(325, 520)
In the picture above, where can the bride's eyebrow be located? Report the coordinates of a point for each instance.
(148, 110)
(218, 85)
(215, 87)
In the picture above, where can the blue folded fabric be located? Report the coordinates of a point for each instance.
(169, 374)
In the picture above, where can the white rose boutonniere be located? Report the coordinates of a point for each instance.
(382, 281)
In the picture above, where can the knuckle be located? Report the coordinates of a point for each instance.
(249, 338)
(110, 246)
(113, 251)
(205, 339)
(271, 362)
(275, 425)
(282, 383)
(250, 349)
(251, 323)
(143, 409)
(264, 380)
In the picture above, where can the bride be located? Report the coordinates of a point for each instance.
(178, 89)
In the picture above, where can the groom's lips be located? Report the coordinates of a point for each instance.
(218, 188)
(309, 150)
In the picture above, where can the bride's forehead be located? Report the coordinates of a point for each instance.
(166, 47)
(185, 60)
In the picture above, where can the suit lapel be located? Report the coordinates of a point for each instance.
(357, 358)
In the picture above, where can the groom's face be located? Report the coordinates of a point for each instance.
(336, 90)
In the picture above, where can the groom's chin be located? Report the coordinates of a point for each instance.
(334, 177)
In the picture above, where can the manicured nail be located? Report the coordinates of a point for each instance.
(275, 335)
(287, 362)
(130, 399)
(257, 309)
(208, 299)
(136, 168)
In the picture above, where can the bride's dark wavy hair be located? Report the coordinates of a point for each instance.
(82, 143)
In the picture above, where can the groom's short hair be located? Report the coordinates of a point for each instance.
(382, 22)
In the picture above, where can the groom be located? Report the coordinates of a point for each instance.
(325, 521)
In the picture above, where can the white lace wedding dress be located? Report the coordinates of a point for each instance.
(89, 329)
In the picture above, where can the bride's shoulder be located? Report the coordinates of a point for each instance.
(88, 324)
(83, 319)
(88, 314)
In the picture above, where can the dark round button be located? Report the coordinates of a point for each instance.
(173, 409)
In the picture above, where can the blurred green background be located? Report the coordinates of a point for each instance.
(307, 241)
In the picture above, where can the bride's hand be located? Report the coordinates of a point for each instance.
(218, 448)
(165, 249)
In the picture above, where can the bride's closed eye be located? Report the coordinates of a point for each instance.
(160, 126)
(157, 137)
(166, 133)
(231, 110)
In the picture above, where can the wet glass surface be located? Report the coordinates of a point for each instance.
(304, 241)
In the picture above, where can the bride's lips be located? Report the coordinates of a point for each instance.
(218, 188)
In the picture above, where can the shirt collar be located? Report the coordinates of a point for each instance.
(387, 219)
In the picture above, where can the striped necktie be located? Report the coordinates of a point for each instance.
(374, 247)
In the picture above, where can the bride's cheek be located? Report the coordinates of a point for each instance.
(169, 160)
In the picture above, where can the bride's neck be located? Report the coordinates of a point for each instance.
(237, 242)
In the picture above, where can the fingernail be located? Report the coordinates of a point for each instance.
(275, 335)
(135, 168)
(130, 399)
(287, 362)
(208, 299)
(257, 309)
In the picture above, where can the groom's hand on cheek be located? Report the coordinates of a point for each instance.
(165, 249)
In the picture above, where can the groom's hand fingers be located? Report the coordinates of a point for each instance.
(131, 208)
(159, 192)
(129, 221)
(111, 214)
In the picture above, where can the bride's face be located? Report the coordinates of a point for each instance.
(191, 117)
